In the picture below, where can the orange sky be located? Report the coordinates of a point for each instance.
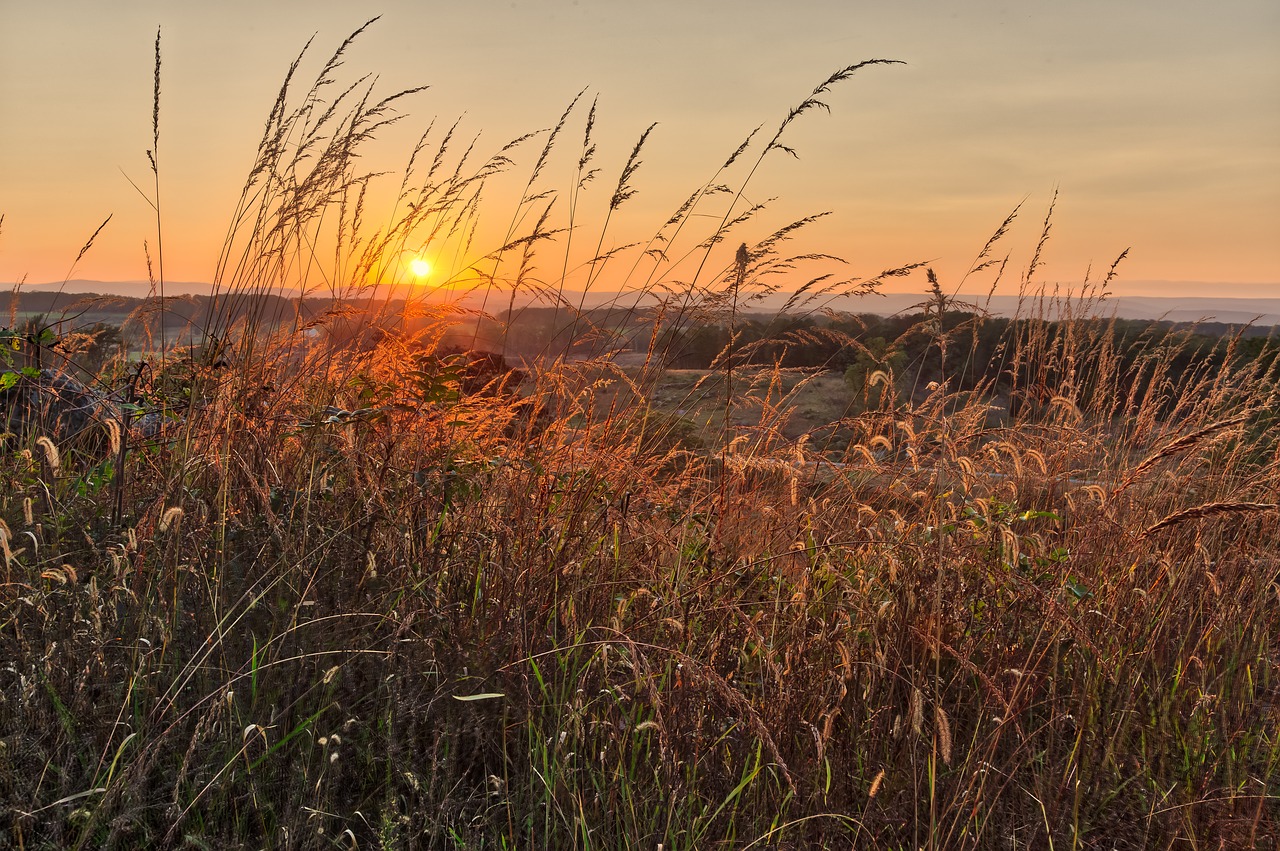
(1158, 122)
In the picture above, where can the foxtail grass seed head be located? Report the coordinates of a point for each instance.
(1212, 509)
(113, 436)
(51, 455)
(170, 516)
(943, 724)
(1097, 492)
(28, 511)
(876, 782)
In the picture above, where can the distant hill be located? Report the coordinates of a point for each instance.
(1233, 311)
(1185, 302)
(126, 289)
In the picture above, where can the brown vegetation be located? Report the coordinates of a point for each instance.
(341, 602)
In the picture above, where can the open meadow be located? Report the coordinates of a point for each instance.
(655, 579)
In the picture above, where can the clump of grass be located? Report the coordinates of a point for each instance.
(353, 597)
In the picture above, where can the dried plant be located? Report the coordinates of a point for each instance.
(337, 577)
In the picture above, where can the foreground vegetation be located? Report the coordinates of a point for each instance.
(348, 595)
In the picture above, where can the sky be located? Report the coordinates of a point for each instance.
(1157, 122)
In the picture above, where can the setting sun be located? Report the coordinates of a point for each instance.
(420, 268)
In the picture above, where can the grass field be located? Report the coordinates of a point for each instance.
(346, 598)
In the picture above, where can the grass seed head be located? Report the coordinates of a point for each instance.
(876, 783)
(51, 455)
(944, 734)
(171, 515)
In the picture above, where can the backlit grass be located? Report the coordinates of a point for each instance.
(348, 597)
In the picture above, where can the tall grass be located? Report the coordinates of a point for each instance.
(349, 599)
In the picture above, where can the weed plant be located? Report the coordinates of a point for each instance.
(345, 598)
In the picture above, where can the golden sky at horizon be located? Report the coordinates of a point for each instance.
(1158, 122)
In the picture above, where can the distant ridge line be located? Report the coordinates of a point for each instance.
(1261, 310)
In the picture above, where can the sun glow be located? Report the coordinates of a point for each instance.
(419, 267)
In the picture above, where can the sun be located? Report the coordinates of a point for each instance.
(419, 267)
